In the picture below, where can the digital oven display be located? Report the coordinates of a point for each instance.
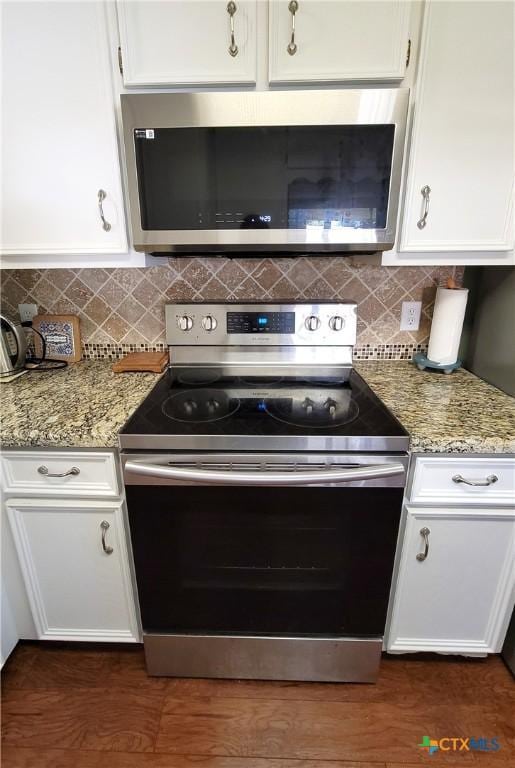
(261, 322)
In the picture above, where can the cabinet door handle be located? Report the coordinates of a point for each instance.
(423, 555)
(231, 10)
(105, 527)
(425, 192)
(72, 471)
(101, 197)
(293, 7)
(490, 480)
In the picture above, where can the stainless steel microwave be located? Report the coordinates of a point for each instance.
(275, 171)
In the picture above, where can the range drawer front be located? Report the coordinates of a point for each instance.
(474, 480)
(60, 473)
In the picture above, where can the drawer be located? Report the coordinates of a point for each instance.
(82, 473)
(449, 480)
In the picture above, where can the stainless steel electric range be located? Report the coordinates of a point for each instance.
(264, 484)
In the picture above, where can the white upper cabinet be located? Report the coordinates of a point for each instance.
(187, 42)
(462, 147)
(59, 133)
(338, 41)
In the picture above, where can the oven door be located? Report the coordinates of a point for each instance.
(263, 547)
(274, 171)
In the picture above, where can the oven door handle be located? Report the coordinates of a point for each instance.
(213, 477)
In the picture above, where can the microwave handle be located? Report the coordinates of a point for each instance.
(213, 477)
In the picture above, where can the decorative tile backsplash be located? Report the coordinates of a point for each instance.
(123, 309)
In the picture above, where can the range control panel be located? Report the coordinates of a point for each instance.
(303, 324)
(260, 322)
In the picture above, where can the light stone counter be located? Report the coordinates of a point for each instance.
(456, 413)
(85, 406)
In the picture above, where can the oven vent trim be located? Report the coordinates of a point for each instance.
(263, 466)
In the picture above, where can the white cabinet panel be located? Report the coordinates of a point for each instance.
(463, 131)
(186, 43)
(59, 131)
(8, 628)
(82, 473)
(459, 598)
(337, 41)
(76, 590)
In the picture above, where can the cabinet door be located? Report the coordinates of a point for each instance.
(345, 40)
(58, 124)
(459, 598)
(463, 131)
(187, 43)
(78, 589)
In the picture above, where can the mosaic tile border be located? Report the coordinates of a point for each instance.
(92, 351)
(109, 352)
(388, 351)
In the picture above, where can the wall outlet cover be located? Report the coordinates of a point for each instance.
(27, 312)
(410, 315)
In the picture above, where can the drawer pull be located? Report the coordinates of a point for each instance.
(72, 471)
(425, 192)
(231, 10)
(101, 195)
(105, 527)
(293, 7)
(423, 555)
(490, 480)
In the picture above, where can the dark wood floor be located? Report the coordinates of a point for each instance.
(64, 706)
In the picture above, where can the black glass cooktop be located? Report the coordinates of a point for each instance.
(199, 404)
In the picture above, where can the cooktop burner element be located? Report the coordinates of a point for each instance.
(315, 410)
(198, 377)
(197, 406)
(289, 385)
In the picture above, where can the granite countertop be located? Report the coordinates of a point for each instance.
(85, 406)
(456, 413)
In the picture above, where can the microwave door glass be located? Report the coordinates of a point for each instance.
(264, 177)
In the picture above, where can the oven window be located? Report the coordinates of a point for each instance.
(295, 177)
(301, 561)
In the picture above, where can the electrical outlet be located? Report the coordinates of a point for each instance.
(27, 312)
(410, 315)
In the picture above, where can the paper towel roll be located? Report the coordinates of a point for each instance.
(448, 316)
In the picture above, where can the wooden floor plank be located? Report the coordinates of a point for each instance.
(30, 757)
(34, 757)
(91, 718)
(54, 666)
(71, 706)
(301, 729)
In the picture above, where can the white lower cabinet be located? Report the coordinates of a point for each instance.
(74, 562)
(455, 586)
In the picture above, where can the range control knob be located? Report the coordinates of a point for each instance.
(336, 323)
(312, 323)
(185, 322)
(330, 406)
(308, 405)
(212, 406)
(209, 323)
